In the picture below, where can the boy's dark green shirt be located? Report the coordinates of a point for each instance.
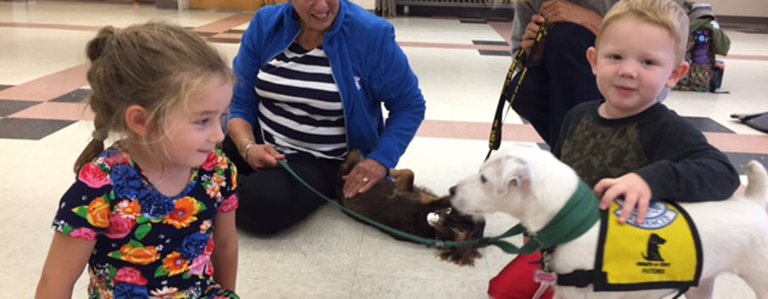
(666, 150)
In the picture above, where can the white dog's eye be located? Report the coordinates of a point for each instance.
(483, 179)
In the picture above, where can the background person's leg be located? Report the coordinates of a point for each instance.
(532, 101)
(571, 81)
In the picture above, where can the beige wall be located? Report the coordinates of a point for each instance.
(371, 4)
(744, 8)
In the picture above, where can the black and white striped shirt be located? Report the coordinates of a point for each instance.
(300, 107)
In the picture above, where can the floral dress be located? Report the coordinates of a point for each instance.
(148, 245)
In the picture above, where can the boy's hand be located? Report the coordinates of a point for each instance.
(633, 188)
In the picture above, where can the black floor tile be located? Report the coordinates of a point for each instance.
(498, 19)
(706, 124)
(76, 96)
(473, 21)
(30, 129)
(740, 160)
(494, 53)
(489, 42)
(8, 107)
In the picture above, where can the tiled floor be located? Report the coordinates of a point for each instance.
(461, 66)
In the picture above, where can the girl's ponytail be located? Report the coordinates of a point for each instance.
(102, 107)
(96, 145)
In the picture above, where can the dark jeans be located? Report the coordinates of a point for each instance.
(272, 199)
(563, 80)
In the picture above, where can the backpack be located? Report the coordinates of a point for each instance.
(705, 40)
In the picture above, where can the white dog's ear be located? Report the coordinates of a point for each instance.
(514, 174)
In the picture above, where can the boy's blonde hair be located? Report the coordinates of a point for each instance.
(663, 13)
(157, 66)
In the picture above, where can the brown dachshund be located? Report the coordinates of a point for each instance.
(399, 204)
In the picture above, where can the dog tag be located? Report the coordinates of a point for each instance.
(545, 279)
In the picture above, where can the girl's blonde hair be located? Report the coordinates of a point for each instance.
(666, 14)
(157, 66)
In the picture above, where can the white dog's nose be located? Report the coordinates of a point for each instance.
(452, 190)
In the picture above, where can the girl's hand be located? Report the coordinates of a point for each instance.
(363, 177)
(261, 156)
(633, 188)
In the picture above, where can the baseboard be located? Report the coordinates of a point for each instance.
(743, 19)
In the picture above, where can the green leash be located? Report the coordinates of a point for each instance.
(578, 215)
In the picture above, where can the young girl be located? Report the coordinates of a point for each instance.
(146, 212)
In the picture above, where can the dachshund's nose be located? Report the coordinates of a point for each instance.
(452, 190)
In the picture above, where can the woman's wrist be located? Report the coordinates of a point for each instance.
(240, 146)
(593, 22)
(244, 152)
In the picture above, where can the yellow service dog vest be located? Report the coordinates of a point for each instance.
(663, 252)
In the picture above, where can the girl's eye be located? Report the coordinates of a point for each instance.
(202, 122)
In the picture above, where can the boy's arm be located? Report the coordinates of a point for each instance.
(64, 264)
(685, 167)
(225, 252)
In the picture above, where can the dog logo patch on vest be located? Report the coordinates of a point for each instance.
(663, 252)
(653, 254)
(658, 216)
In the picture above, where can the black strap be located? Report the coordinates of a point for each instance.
(584, 278)
(680, 292)
(578, 278)
(494, 141)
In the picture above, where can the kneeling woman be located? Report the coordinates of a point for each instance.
(313, 75)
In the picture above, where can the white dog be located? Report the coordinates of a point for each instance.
(532, 185)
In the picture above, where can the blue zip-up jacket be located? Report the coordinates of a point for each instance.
(367, 64)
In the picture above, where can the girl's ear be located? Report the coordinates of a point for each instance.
(136, 118)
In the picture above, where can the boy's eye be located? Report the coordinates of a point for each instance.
(614, 57)
(648, 62)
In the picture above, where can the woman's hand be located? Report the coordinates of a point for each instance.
(363, 177)
(560, 11)
(261, 156)
(529, 37)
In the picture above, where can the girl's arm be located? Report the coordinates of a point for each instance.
(225, 251)
(66, 260)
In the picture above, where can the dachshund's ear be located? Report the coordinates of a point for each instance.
(514, 173)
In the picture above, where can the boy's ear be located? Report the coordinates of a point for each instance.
(592, 57)
(136, 118)
(678, 73)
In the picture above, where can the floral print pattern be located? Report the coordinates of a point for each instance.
(148, 245)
